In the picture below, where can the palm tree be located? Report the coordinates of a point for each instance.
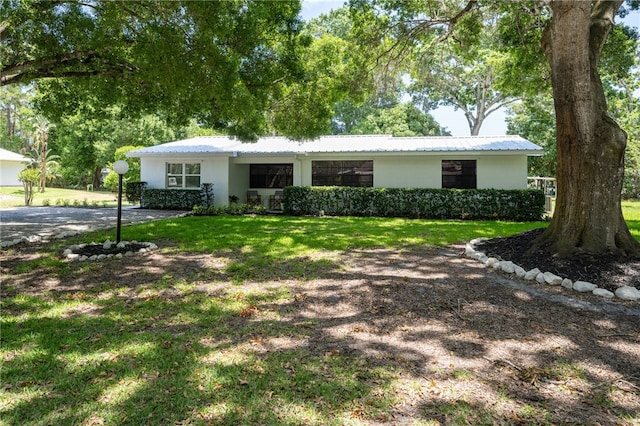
(43, 159)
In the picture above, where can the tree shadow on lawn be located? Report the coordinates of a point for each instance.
(376, 336)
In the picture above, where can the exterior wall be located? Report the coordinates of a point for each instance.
(212, 170)
(9, 171)
(407, 172)
(239, 181)
(502, 171)
(230, 176)
(425, 171)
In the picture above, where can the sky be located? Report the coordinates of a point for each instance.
(447, 117)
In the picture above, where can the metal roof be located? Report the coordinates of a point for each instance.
(6, 155)
(222, 145)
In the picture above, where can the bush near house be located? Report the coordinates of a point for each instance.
(233, 209)
(170, 199)
(516, 205)
(134, 190)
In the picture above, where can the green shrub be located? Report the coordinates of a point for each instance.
(134, 190)
(207, 195)
(111, 181)
(170, 199)
(231, 210)
(518, 205)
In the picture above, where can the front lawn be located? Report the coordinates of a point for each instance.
(14, 197)
(296, 321)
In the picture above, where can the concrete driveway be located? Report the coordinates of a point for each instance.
(38, 223)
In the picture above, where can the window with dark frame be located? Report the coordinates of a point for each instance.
(183, 175)
(270, 175)
(342, 173)
(459, 174)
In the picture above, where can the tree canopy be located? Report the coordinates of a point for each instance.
(571, 36)
(224, 63)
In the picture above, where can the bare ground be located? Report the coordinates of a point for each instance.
(460, 336)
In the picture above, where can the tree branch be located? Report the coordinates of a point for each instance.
(602, 20)
(60, 66)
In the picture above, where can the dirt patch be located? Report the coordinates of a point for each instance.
(606, 271)
(462, 338)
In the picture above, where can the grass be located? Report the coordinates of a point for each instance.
(165, 351)
(14, 197)
(269, 247)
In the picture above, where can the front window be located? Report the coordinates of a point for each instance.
(460, 174)
(183, 175)
(342, 173)
(270, 175)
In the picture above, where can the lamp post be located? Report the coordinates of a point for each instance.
(120, 167)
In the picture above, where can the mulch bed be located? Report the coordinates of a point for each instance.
(606, 271)
(98, 249)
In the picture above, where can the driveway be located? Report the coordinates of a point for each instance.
(35, 223)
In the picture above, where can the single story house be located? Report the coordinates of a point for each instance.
(264, 167)
(11, 164)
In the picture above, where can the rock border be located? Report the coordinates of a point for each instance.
(70, 252)
(40, 239)
(547, 278)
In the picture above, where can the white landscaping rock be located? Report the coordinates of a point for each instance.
(567, 283)
(468, 249)
(532, 274)
(628, 293)
(583, 286)
(540, 278)
(552, 279)
(520, 272)
(603, 292)
(478, 241)
(491, 262)
(508, 267)
(477, 255)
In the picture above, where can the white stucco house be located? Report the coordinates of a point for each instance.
(271, 163)
(11, 164)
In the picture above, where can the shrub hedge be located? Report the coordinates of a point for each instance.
(170, 199)
(134, 190)
(233, 209)
(476, 204)
(176, 199)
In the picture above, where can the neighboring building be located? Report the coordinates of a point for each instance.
(11, 164)
(377, 161)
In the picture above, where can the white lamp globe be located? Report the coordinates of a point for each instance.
(121, 167)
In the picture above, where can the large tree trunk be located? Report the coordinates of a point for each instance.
(590, 144)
